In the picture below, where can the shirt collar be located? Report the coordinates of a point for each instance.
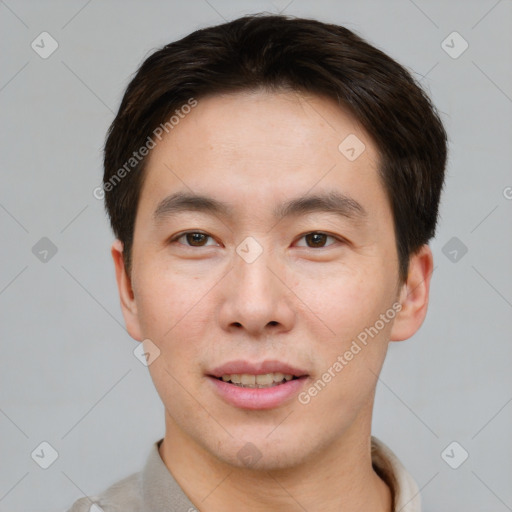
(406, 493)
(159, 488)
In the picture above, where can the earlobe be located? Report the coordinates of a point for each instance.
(414, 295)
(126, 295)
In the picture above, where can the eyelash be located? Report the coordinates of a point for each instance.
(184, 234)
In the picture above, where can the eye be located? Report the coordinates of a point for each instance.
(313, 240)
(316, 239)
(193, 239)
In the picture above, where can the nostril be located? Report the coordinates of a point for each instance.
(273, 322)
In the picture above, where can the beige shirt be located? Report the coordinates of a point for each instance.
(155, 490)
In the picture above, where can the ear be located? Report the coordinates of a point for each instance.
(126, 295)
(414, 295)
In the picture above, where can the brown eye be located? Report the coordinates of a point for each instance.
(194, 239)
(316, 239)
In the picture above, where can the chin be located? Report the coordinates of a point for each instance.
(264, 452)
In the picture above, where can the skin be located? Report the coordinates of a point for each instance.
(204, 305)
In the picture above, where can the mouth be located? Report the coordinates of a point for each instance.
(261, 381)
(264, 385)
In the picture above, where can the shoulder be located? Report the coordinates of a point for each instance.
(122, 496)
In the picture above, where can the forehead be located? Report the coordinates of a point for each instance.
(262, 123)
(261, 146)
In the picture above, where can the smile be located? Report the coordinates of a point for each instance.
(265, 380)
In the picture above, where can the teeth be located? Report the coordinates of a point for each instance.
(278, 377)
(247, 380)
(265, 380)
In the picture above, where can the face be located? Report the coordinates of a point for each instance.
(261, 254)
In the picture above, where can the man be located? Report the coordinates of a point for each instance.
(272, 184)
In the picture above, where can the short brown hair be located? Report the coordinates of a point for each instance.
(281, 52)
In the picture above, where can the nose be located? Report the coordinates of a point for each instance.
(255, 298)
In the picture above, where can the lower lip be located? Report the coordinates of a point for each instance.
(257, 398)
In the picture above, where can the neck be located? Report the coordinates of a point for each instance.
(339, 477)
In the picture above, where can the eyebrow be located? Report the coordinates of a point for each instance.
(331, 202)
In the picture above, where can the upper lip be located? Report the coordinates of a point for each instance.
(256, 368)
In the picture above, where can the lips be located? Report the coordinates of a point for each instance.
(263, 385)
(259, 368)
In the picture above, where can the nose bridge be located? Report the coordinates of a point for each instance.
(254, 297)
(253, 279)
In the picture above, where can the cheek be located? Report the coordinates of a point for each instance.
(170, 303)
(352, 357)
(345, 299)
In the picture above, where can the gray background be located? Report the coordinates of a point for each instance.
(67, 372)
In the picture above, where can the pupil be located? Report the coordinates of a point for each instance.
(195, 238)
(316, 238)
